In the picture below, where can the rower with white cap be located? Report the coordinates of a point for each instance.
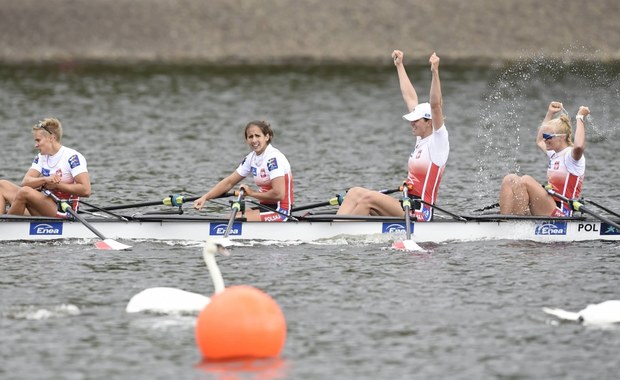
(426, 162)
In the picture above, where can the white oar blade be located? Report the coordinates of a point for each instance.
(110, 244)
(406, 245)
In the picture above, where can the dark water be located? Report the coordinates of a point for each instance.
(354, 309)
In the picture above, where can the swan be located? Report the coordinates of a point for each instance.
(603, 313)
(165, 300)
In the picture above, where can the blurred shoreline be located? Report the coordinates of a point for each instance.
(487, 33)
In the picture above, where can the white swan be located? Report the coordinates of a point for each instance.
(166, 300)
(603, 313)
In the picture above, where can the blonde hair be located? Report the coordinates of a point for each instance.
(50, 125)
(561, 125)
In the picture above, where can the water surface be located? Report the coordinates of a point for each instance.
(354, 308)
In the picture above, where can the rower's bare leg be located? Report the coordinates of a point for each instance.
(351, 200)
(513, 196)
(540, 202)
(361, 201)
(7, 194)
(30, 201)
(250, 215)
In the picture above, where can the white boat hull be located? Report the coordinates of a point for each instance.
(187, 228)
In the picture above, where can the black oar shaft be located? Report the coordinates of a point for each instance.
(489, 207)
(407, 208)
(141, 204)
(85, 223)
(578, 206)
(602, 218)
(603, 208)
(236, 207)
(331, 202)
(455, 216)
(67, 208)
(154, 203)
(92, 206)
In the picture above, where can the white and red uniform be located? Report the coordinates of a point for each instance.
(425, 168)
(565, 175)
(264, 168)
(67, 163)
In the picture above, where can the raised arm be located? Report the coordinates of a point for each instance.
(579, 142)
(554, 107)
(410, 96)
(436, 99)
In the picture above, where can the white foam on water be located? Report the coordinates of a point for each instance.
(41, 313)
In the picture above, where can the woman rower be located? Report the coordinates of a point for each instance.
(426, 162)
(56, 168)
(272, 174)
(523, 195)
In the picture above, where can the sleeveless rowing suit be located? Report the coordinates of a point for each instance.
(68, 163)
(425, 169)
(565, 175)
(264, 168)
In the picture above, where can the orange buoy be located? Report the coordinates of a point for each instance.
(241, 322)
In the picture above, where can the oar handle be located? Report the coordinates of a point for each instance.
(236, 207)
(573, 203)
(406, 202)
(335, 201)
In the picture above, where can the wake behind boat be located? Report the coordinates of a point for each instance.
(171, 227)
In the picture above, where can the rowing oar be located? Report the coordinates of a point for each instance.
(105, 243)
(335, 201)
(578, 206)
(602, 207)
(408, 244)
(455, 216)
(171, 200)
(236, 207)
(489, 207)
(119, 217)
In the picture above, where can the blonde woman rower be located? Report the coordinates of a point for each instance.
(523, 195)
(56, 168)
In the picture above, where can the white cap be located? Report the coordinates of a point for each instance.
(422, 110)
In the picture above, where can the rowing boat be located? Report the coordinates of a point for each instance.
(171, 227)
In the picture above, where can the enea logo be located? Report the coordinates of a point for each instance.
(390, 228)
(608, 229)
(219, 229)
(557, 228)
(52, 228)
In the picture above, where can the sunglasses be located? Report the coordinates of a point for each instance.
(43, 127)
(549, 136)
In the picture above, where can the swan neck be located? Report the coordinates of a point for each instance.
(214, 271)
